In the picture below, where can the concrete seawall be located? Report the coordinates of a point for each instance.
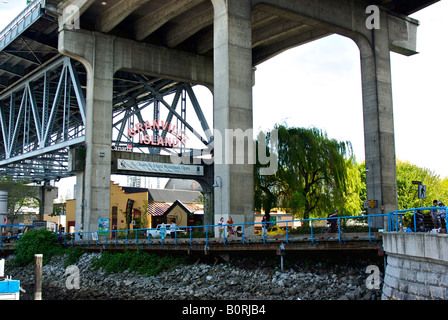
(417, 266)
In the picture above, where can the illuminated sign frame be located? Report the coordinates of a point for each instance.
(140, 128)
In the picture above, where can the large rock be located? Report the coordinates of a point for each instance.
(237, 279)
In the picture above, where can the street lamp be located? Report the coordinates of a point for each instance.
(216, 184)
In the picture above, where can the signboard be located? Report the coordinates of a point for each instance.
(103, 225)
(156, 167)
(142, 128)
(370, 204)
(40, 224)
(422, 192)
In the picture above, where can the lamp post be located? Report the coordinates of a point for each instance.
(218, 184)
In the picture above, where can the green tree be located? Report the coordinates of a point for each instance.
(444, 192)
(408, 193)
(312, 173)
(268, 188)
(20, 195)
(355, 194)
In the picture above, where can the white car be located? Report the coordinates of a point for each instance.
(156, 233)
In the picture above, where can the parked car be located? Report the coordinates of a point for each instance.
(272, 231)
(157, 231)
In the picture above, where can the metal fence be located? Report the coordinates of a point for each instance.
(416, 220)
(12, 237)
(245, 233)
(252, 232)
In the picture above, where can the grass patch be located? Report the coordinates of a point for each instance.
(136, 261)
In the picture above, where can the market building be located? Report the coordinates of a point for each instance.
(140, 208)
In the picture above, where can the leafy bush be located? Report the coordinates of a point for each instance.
(72, 255)
(33, 242)
(135, 261)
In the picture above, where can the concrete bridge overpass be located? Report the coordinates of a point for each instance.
(68, 66)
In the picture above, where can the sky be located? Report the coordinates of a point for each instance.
(319, 85)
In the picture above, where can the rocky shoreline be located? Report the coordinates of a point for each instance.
(240, 278)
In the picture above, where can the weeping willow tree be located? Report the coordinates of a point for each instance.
(311, 176)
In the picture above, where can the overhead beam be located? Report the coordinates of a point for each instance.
(157, 18)
(261, 54)
(14, 71)
(190, 24)
(343, 19)
(278, 30)
(113, 16)
(143, 58)
(40, 152)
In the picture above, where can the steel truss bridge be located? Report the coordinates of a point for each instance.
(53, 108)
(43, 104)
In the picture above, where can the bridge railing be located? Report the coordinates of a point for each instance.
(11, 238)
(245, 233)
(26, 18)
(261, 232)
(419, 221)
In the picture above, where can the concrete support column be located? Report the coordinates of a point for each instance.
(96, 52)
(79, 209)
(378, 121)
(233, 108)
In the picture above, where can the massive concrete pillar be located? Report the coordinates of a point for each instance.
(102, 56)
(96, 53)
(234, 195)
(378, 121)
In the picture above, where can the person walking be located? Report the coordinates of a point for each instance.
(229, 226)
(333, 222)
(221, 228)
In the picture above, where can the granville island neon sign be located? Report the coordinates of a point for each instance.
(140, 128)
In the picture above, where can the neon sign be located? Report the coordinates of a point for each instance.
(140, 128)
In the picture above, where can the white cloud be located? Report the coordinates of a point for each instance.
(318, 84)
(9, 10)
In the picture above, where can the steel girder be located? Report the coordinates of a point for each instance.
(40, 118)
(153, 93)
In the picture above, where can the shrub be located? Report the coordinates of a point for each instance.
(72, 255)
(135, 261)
(33, 242)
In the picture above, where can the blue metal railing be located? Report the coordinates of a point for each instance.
(204, 234)
(194, 235)
(14, 237)
(396, 218)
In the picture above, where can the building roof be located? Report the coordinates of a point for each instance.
(170, 196)
(130, 190)
(160, 208)
(183, 184)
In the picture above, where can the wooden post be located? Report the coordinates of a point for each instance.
(38, 277)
